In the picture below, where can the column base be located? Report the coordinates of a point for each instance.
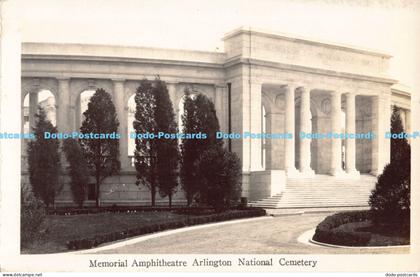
(353, 173)
(306, 173)
(338, 173)
(292, 172)
(375, 173)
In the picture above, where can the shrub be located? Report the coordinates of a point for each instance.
(390, 200)
(220, 176)
(32, 214)
(326, 231)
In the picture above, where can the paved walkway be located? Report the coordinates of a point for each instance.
(273, 235)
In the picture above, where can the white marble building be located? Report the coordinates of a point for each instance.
(262, 82)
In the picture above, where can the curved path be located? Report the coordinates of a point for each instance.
(278, 235)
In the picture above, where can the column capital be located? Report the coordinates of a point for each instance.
(289, 87)
(220, 85)
(63, 78)
(335, 93)
(118, 80)
(301, 88)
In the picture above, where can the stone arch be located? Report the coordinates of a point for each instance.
(79, 86)
(46, 99)
(192, 89)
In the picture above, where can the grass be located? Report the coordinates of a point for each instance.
(57, 229)
(58, 233)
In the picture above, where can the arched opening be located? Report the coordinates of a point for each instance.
(46, 100)
(25, 117)
(181, 111)
(84, 99)
(31, 101)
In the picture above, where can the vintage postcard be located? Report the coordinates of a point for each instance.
(224, 136)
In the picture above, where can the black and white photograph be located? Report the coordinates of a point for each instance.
(224, 136)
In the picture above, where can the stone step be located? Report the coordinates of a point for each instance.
(322, 191)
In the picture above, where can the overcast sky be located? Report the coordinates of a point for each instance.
(390, 26)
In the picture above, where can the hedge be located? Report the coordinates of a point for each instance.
(327, 231)
(124, 209)
(86, 243)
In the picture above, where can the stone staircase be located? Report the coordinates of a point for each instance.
(321, 191)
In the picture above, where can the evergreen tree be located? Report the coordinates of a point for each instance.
(166, 149)
(156, 160)
(145, 123)
(199, 116)
(44, 161)
(220, 178)
(78, 170)
(102, 155)
(390, 200)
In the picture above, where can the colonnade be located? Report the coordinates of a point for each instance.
(66, 103)
(380, 124)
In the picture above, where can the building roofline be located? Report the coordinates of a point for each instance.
(116, 51)
(306, 40)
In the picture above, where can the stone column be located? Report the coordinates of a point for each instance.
(408, 121)
(381, 116)
(33, 109)
(172, 87)
(351, 129)
(336, 163)
(63, 110)
(255, 109)
(119, 102)
(289, 123)
(305, 126)
(220, 91)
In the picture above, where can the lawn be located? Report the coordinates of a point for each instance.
(57, 229)
(58, 233)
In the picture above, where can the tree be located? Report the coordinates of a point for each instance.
(199, 116)
(99, 142)
(44, 161)
(144, 123)
(156, 159)
(390, 200)
(78, 170)
(220, 176)
(167, 154)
